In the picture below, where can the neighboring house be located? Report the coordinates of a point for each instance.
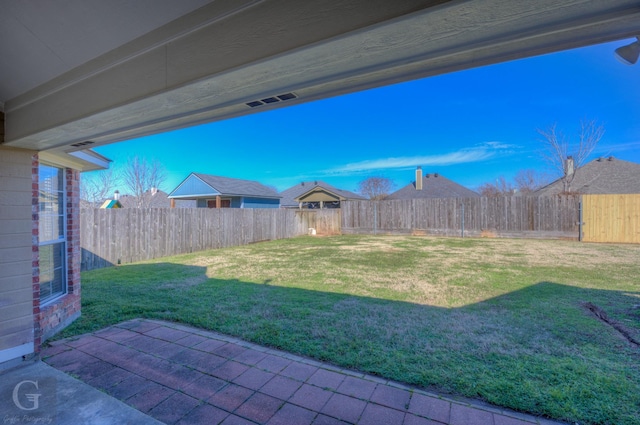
(315, 194)
(600, 176)
(154, 198)
(224, 192)
(432, 186)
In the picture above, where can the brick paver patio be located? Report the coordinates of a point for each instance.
(183, 375)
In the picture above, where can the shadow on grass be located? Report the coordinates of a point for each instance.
(537, 349)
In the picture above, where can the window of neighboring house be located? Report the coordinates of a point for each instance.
(52, 233)
(224, 203)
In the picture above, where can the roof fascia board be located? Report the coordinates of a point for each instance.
(195, 195)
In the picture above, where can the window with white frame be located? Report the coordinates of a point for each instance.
(52, 233)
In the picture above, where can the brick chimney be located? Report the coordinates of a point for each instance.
(419, 178)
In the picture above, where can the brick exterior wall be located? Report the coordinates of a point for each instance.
(35, 256)
(52, 318)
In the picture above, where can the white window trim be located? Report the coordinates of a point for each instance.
(63, 239)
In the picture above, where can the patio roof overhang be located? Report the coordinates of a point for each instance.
(75, 75)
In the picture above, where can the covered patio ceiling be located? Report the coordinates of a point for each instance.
(80, 73)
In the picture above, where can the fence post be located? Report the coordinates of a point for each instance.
(375, 217)
(462, 220)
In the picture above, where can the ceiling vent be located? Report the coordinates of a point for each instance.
(272, 99)
(80, 144)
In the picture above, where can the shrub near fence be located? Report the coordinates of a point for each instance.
(113, 236)
(510, 216)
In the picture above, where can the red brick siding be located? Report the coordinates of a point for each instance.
(35, 264)
(73, 231)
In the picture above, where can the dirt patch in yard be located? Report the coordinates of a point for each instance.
(601, 315)
(368, 245)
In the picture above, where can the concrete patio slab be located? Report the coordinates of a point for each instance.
(59, 399)
(181, 375)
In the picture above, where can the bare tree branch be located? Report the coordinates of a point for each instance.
(567, 157)
(528, 181)
(96, 187)
(376, 188)
(142, 178)
(500, 188)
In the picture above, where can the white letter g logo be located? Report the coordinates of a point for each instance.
(33, 398)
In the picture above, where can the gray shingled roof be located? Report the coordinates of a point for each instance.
(237, 187)
(158, 200)
(289, 195)
(433, 186)
(601, 176)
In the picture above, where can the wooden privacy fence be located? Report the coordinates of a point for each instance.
(114, 236)
(514, 216)
(127, 235)
(611, 218)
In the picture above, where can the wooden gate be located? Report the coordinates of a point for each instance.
(325, 221)
(611, 218)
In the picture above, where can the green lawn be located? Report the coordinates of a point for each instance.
(499, 320)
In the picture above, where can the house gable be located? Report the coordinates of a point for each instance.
(291, 197)
(193, 186)
(319, 194)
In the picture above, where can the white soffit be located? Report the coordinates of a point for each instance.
(180, 83)
(41, 40)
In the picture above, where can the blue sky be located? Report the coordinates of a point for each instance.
(471, 126)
